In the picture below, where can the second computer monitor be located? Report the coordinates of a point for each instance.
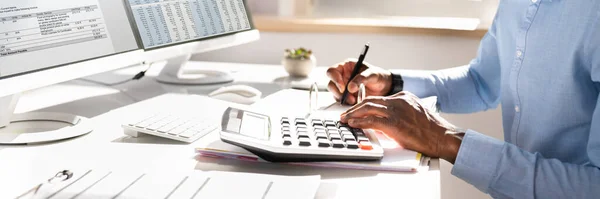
(175, 29)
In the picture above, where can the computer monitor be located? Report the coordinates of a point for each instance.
(47, 42)
(174, 29)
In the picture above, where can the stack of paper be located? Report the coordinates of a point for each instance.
(171, 184)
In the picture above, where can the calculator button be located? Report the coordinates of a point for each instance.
(300, 121)
(285, 128)
(286, 135)
(315, 125)
(301, 125)
(304, 141)
(338, 144)
(332, 129)
(352, 144)
(321, 135)
(320, 131)
(366, 145)
(348, 138)
(324, 143)
(287, 141)
(285, 125)
(302, 135)
(328, 124)
(362, 138)
(303, 129)
(335, 137)
(342, 128)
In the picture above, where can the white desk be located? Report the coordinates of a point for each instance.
(108, 147)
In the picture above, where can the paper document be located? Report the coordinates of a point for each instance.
(167, 184)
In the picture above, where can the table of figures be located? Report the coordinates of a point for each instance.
(163, 22)
(37, 31)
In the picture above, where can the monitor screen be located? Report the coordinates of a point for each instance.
(37, 34)
(167, 22)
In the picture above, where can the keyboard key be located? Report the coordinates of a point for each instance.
(302, 125)
(321, 135)
(285, 120)
(352, 144)
(330, 124)
(315, 125)
(302, 135)
(285, 125)
(287, 141)
(338, 144)
(286, 135)
(366, 145)
(188, 133)
(177, 131)
(335, 137)
(324, 143)
(285, 128)
(304, 141)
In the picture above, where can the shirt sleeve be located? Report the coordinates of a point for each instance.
(505, 171)
(465, 89)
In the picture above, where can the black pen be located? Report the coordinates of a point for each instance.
(357, 67)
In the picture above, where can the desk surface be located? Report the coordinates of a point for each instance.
(108, 147)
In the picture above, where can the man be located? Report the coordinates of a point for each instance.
(541, 60)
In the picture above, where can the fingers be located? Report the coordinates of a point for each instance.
(370, 122)
(367, 78)
(334, 89)
(375, 100)
(366, 110)
(335, 74)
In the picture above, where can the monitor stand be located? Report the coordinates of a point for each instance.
(174, 72)
(37, 127)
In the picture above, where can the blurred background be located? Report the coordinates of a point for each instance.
(404, 34)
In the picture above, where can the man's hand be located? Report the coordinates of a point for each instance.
(404, 119)
(377, 81)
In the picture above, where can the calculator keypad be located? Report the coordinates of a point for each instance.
(326, 133)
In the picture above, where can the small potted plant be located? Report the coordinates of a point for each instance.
(299, 62)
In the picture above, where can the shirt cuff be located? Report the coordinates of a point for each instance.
(477, 159)
(418, 82)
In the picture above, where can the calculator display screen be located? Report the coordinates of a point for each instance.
(256, 126)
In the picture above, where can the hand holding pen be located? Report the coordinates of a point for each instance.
(346, 77)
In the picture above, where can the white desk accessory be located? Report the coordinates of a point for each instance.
(185, 122)
(241, 94)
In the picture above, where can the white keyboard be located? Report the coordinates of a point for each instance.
(176, 126)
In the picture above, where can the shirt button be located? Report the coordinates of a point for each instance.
(533, 1)
(517, 109)
(519, 53)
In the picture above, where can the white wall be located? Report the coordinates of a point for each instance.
(388, 51)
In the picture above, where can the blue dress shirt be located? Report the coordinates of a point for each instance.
(541, 60)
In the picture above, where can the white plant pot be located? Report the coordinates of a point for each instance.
(299, 67)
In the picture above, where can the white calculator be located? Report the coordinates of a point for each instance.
(297, 139)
